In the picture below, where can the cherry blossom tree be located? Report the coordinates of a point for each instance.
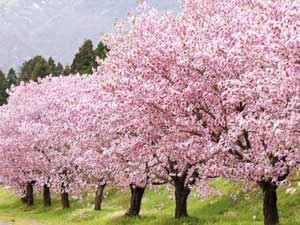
(19, 165)
(203, 88)
(57, 123)
(154, 105)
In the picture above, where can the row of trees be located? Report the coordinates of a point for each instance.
(217, 96)
(38, 67)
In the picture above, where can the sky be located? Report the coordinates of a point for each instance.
(57, 28)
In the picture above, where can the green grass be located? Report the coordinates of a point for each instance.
(157, 209)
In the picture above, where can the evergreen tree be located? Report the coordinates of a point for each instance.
(59, 69)
(11, 77)
(85, 59)
(52, 66)
(67, 70)
(56, 69)
(34, 68)
(3, 87)
(26, 70)
(41, 70)
(101, 50)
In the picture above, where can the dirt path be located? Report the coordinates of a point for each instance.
(4, 223)
(27, 222)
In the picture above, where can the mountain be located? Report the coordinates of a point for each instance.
(58, 27)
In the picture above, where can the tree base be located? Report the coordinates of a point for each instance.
(136, 201)
(29, 194)
(65, 200)
(46, 196)
(181, 195)
(270, 204)
(99, 197)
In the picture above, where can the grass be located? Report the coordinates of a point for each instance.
(157, 209)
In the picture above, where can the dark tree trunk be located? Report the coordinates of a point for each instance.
(99, 196)
(46, 196)
(135, 201)
(270, 204)
(29, 194)
(65, 200)
(181, 194)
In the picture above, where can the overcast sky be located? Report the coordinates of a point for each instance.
(58, 27)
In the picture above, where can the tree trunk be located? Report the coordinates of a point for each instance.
(181, 194)
(270, 204)
(46, 196)
(135, 201)
(99, 196)
(29, 194)
(65, 200)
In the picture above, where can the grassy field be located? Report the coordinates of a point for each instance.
(157, 209)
